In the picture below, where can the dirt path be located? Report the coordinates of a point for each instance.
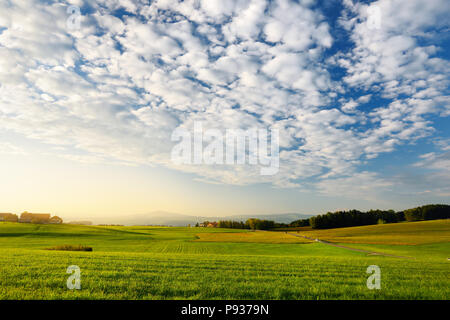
(349, 248)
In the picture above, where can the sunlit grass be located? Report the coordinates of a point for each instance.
(405, 233)
(256, 237)
(169, 263)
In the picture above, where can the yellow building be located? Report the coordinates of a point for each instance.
(10, 217)
(27, 217)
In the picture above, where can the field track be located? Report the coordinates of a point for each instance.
(349, 248)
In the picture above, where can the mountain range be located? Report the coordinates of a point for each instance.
(175, 219)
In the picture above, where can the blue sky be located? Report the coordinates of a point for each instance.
(357, 89)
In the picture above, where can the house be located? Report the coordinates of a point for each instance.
(8, 217)
(27, 217)
(208, 224)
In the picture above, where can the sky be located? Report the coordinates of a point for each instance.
(91, 93)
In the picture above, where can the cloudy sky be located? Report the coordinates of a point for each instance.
(89, 99)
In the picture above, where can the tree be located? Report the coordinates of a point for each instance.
(56, 220)
(428, 212)
(299, 223)
(258, 224)
(351, 218)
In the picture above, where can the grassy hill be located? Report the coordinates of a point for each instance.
(206, 263)
(423, 240)
(405, 233)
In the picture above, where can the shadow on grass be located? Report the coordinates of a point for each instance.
(69, 247)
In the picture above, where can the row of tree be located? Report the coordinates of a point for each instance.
(299, 223)
(342, 219)
(352, 218)
(232, 224)
(428, 212)
(252, 224)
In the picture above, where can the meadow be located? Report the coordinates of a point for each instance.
(403, 233)
(209, 263)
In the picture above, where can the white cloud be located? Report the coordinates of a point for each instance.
(116, 88)
(361, 185)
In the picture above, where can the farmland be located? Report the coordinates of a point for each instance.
(415, 233)
(209, 263)
(254, 237)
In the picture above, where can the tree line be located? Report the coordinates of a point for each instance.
(252, 224)
(353, 218)
(428, 212)
(340, 219)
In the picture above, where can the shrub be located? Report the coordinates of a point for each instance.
(70, 247)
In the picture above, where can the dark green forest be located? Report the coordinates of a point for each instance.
(351, 218)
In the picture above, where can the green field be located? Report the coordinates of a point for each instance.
(405, 233)
(207, 263)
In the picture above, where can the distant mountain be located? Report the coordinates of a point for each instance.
(153, 218)
(175, 219)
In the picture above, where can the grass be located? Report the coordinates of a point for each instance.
(255, 237)
(177, 263)
(405, 233)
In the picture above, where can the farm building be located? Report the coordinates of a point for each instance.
(10, 217)
(27, 217)
(207, 224)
